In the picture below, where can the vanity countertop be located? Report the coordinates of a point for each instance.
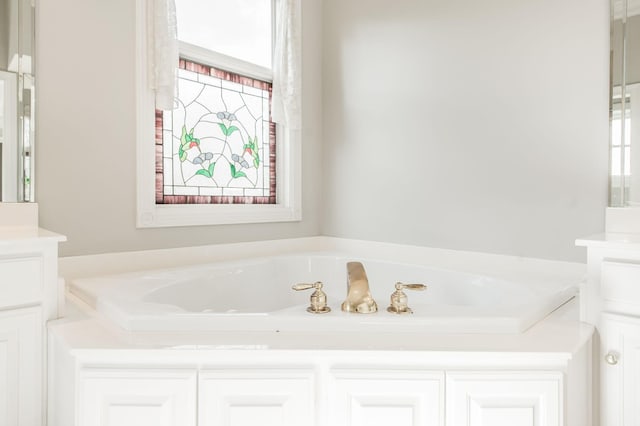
(611, 240)
(9, 234)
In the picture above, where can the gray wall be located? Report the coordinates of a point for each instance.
(466, 124)
(85, 169)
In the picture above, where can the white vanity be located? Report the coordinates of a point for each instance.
(234, 382)
(106, 375)
(611, 301)
(30, 295)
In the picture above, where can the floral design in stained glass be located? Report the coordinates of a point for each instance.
(218, 146)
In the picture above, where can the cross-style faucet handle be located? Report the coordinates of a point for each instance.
(399, 299)
(318, 304)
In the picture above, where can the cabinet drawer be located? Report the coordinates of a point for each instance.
(20, 281)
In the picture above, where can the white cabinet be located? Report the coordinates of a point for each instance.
(324, 394)
(20, 367)
(611, 301)
(620, 370)
(112, 397)
(504, 399)
(29, 296)
(381, 398)
(246, 397)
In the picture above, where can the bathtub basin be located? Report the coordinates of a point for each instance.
(256, 295)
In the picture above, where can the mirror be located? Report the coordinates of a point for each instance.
(17, 38)
(624, 105)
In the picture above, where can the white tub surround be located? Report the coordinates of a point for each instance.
(508, 268)
(611, 302)
(30, 294)
(256, 294)
(319, 377)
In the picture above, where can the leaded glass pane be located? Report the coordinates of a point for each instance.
(218, 146)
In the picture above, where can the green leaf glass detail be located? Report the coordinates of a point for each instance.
(227, 131)
(206, 172)
(236, 174)
(183, 138)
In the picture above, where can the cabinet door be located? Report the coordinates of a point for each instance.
(504, 399)
(21, 367)
(620, 370)
(114, 397)
(383, 398)
(247, 397)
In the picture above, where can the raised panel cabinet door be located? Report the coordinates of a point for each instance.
(620, 370)
(247, 397)
(114, 397)
(21, 367)
(383, 398)
(504, 399)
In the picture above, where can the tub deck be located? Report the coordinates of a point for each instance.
(255, 294)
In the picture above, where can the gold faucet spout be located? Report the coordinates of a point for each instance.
(359, 299)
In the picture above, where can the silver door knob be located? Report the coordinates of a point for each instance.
(611, 358)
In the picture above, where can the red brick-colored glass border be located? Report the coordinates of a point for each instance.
(161, 198)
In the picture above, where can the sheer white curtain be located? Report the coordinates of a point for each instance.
(287, 65)
(162, 52)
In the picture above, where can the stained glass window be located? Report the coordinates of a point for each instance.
(218, 146)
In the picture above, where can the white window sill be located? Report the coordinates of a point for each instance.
(193, 215)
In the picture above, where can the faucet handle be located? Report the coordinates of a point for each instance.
(399, 299)
(318, 304)
(419, 287)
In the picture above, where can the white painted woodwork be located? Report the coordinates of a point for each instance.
(504, 399)
(620, 377)
(269, 397)
(611, 301)
(20, 367)
(381, 398)
(239, 387)
(29, 296)
(112, 397)
(20, 280)
(619, 285)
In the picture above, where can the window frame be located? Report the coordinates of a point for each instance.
(288, 152)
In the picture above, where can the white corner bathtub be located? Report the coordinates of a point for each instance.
(256, 295)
